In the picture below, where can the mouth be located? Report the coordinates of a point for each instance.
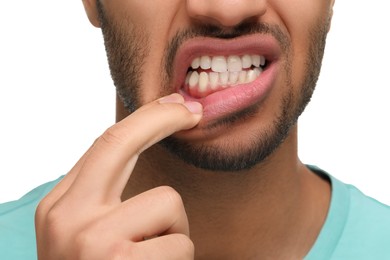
(226, 76)
(208, 75)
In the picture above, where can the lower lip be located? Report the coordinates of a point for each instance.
(234, 99)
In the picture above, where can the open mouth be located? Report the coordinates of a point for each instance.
(227, 75)
(208, 74)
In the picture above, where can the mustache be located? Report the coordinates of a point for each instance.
(212, 31)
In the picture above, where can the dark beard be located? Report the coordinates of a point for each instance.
(127, 48)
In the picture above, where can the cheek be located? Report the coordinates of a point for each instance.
(154, 20)
(299, 17)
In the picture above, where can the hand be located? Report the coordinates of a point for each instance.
(83, 217)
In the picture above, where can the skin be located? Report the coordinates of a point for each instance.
(272, 210)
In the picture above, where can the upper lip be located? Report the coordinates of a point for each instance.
(260, 44)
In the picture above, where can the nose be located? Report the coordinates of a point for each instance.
(225, 13)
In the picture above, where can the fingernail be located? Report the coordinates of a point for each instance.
(194, 107)
(173, 98)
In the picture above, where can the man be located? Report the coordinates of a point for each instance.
(222, 84)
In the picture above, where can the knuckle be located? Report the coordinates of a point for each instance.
(84, 240)
(123, 250)
(112, 136)
(53, 216)
(50, 225)
(53, 221)
(186, 245)
(172, 197)
(42, 208)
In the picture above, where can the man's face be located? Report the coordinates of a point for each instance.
(252, 64)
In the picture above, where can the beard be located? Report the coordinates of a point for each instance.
(127, 48)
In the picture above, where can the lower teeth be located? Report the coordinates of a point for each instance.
(206, 81)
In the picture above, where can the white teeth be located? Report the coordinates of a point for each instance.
(242, 77)
(258, 71)
(203, 81)
(205, 62)
(206, 81)
(256, 60)
(195, 63)
(187, 81)
(251, 76)
(225, 72)
(262, 60)
(213, 77)
(194, 79)
(246, 61)
(219, 64)
(223, 78)
(233, 77)
(234, 64)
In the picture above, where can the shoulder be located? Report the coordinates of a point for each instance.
(367, 230)
(357, 226)
(368, 209)
(17, 232)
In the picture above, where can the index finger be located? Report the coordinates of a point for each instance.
(111, 160)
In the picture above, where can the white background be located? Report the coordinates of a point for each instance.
(56, 95)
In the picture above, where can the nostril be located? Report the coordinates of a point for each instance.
(225, 13)
(207, 20)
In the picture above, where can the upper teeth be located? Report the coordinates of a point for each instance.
(232, 63)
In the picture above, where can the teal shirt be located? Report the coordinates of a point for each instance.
(357, 226)
(17, 230)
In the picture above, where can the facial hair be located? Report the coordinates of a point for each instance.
(127, 47)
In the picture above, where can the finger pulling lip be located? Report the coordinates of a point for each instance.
(233, 98)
